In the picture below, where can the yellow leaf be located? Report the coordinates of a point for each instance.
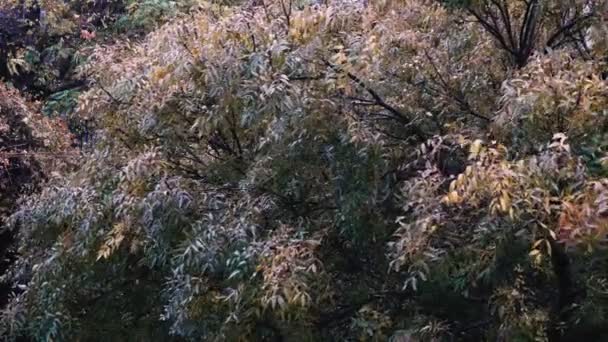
(537, 243)
(505, 202)
(475, 149)
(453, 197)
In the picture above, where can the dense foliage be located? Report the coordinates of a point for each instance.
(29, 144)
(406, 170)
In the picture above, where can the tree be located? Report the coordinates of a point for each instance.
(299, 171)
(522, 27)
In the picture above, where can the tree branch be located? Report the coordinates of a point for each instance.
(403, 118)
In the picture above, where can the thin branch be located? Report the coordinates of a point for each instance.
(255, 46)
(566, 28)
(114, 99)
(459, 97)
(379, 100)
(495, 32)
(287, 13)
(307, 77)
(506, 18)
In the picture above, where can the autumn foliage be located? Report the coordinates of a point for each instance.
(406, 170)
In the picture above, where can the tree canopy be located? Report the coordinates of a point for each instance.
(297, 170)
